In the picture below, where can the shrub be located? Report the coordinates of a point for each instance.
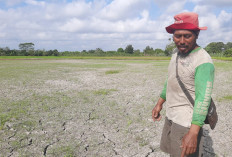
(228, 52)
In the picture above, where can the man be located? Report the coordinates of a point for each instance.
(182, 130)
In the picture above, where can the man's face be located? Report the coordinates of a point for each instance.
(185, 40)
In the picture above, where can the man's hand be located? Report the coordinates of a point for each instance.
(156, 110)
(189, 141)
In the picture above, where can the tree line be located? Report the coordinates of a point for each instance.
(27, 49)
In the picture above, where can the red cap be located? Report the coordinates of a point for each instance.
(187, 21)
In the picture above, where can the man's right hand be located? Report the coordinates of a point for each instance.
(156, 110)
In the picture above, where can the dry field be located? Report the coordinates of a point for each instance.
(95, 108)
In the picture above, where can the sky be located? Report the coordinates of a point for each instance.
(76, 25)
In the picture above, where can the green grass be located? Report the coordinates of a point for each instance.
(65, 151)
(104, 91)
(142, 142)
(228, 97)
(112, 72)
(13, 111)
(87, 57)
(225, 66)
(223, 58)
(32, 57)
(101, 57)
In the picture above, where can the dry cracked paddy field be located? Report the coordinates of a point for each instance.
(95, 108)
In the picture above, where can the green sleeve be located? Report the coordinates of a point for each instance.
(204, 77)
(163, 94)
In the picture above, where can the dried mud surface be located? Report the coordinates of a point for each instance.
(94, 108)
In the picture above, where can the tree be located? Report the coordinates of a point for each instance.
(148, 51)
(6, 51)
(2, 52)
(83, 51)
(31, 53)
(159, 51)
(215, 47)
(228, 45)
(52, 53)
(99, 51)
(169, 48)
(91, 51)
(228, 52)
(129, 49)
(120, 50)
(39, 53)
(137, 52)
(26, 46)
(55, 52)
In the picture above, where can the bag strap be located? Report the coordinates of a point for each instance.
(186, 92)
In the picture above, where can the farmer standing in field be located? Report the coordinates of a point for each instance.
(182, 130)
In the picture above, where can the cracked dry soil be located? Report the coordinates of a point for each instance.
(94, 108)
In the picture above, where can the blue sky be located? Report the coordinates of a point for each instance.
(76, 25)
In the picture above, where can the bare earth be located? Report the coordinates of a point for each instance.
(94, 108)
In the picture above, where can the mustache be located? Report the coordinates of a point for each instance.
(182, 46)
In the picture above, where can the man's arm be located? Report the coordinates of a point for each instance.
(163, 93)
(189, 141)
(204, 77)
(156, 110)
(158, 107)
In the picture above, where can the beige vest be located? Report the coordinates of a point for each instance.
(178, 107)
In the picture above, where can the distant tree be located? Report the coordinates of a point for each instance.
(137, 52)
(215, 47)
(46, 53)
(83, 51)
(39, 53)
(68, 53)
(26, 46)
(129, 49)
(31, 53)
(51, 53)
(228, 52)
(110, 53)
(6, 51)
(169, 48)
(2, 52)
(55, 52)
(14, 52)
(91, 51)
(228, 45)
(99, 51)
(159, 51)
(120, 50)
(148, 51)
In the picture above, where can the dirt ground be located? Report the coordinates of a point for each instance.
(95, 108)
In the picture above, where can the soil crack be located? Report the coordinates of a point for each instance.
(149, 153)
(46, 147)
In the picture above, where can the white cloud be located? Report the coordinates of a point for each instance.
(203, 10)
(121, 9)
(78, 24)
(74, 25)
(225, 17)
(34, 2)
(176, 7)
(12, 2)
(216, 3)
(2, 33)
(77, 8)
(42, 35)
